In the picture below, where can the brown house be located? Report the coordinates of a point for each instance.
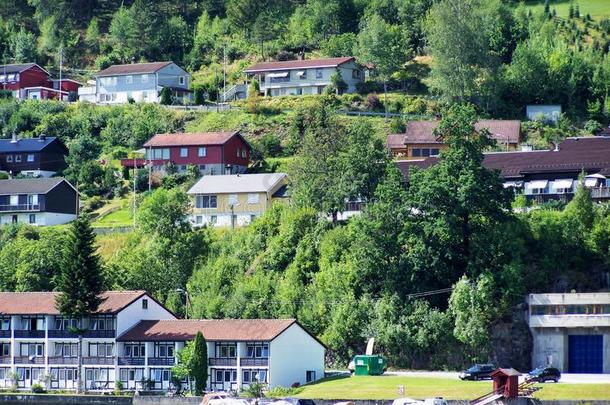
(419, 140)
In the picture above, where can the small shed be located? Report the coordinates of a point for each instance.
(507, 378)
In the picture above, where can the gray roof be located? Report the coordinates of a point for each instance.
(237, 183)
(30, 186)
(16, 68)
(26, 144)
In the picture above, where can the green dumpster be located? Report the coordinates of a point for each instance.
(369, 365)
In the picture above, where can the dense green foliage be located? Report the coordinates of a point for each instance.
(199, 363)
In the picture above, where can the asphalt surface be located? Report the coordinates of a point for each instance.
(565, 378)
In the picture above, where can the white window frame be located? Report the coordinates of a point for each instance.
(319, 73)
(184, 152)
(202, 151)
(129, 79)
(30, 158)
(233, 199)
(144, 78)
(181, 80)
(253, 198)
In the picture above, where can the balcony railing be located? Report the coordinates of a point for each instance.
(131, 361)
(62, 334)
(29, 360)
(63, 360)
(249, 361)
(216, 361)
(20, 207)
(5, 333)
(104, 361)
(104, 334)
(36, 334)
(161, 361)
(5, 360)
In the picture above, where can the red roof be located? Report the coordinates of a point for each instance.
(190, 139)
(43, 303)
(298, 64)
(503, 131)
(591, 154)
(132, 68)
(212, 329)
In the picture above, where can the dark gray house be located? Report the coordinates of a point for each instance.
(36, 157)
(40, 202)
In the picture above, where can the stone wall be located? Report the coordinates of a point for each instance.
(20, 399)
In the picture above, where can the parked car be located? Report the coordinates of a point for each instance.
(477, 372)
(427, 401)
(294, 401)
(544, 374)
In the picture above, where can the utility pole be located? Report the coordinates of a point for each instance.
(149, 168)
(61, 61)
(224, 72)
(135, 175)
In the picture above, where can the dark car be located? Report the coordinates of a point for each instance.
(299, 401)
(544, 374)
(478, 372)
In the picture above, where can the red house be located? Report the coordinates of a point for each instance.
(30, 81)
(212, 152)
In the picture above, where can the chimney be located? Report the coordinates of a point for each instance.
(556, 146)
(14, 138)
(42, 138)
(301, 55)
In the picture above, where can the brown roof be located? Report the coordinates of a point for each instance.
(591, 154)
(507, 372)
(149, 67)
(502, 131)
(43, 303)
(396, 141)
(212, 329)
(190, 139)
(298, 64)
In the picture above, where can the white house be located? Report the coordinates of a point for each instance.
(297, 77)
(134, 339)
(141, 82)
(550, 113)
(571, 331)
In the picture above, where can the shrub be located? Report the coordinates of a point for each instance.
(369, 86)
(72, 96)
(118, 387)
(166, 96)
(199, 96)
(372, 102)
(38, 388)
(414, 105)
(282, 392)
(92, 203)
(7, 94)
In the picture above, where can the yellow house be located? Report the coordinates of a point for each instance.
(234, 200)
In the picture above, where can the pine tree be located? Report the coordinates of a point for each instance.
(166, 96)
(80, 282)
(199, 363)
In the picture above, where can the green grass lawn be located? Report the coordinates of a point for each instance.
(386, 387)
(115, 213)
(596, 8)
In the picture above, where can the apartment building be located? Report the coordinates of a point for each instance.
(135, 340)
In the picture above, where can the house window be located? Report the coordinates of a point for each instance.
(30, 158)
(318, 73)
(5, 349)
(202, 152)
(184, 152)
(32, 323)
(205, 201)
(302, 75)
(134, 350)
(101, 349)
(238, 152)
(213, 219)
(5, 323)
(252, 218)
(102, 323)
(32, 218)
(31, 349)
(232, 199)
(181, 80)
(66, 350)
(310, 376)
(355, 74)
(164, 350)
(224, 350)
(258, 350)
(17, 158)
(158, 154)
(253, 198)
(62, 323)
(199, 219)
(434, 152)
(144, 78)
(144, 95)
(9, 158)
(145, 304)
(129, 79)
(243, 152)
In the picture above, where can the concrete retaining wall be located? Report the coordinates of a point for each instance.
(20, 399)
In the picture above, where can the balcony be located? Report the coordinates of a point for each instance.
(131, 361)
(29, 334)
(161, 361)
(5, 360)
(63, 360)
(5, 333)
(95, 361)
(257, 362)
(100, 334)
(62, 334)
(569, 321)
(19, 207)
(216, 361)
(29, 360)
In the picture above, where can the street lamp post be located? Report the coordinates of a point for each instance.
(186, 297)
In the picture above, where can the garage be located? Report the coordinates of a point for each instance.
(585, 354)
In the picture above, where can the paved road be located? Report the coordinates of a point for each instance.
(565, 378)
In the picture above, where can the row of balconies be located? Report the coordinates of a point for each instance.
(132, 361)
(58, 334)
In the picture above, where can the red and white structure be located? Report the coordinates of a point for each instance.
(30, 81)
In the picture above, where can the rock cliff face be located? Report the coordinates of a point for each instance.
(512, 341)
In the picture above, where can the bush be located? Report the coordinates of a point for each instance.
(282, 392)
(118, 387)
(38, 388)
(369, 86)
(166, 96)
(269, 145)
(372, 102)
(6, 94)
(414, 105)
(92, 203)
(72, 96)
(199, 96)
